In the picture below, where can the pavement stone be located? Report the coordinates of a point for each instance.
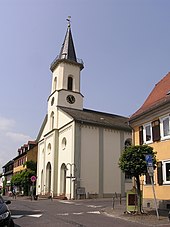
(148, 218)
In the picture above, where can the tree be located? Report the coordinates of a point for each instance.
(132, 161)
(23, 178)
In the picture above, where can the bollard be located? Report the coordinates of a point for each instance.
(120, 199)
(113, 203)
(169, 215)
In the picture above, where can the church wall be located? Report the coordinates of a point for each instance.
(65, 154)
(90, 159)
(63, 119)
(112, 173)
(46, 152)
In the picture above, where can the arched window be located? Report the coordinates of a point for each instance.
(52, 120)
(55, 84)
(70, 83)
(49, 148)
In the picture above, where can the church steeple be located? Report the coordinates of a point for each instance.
(66, 68)
(67, 51)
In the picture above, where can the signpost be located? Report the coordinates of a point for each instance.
(150, 169)
(33, 179)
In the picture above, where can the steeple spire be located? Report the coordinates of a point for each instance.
(67, 51)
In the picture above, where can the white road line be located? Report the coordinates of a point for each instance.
(78, 213)
(64, 201)
(34, 215)
(64, 214)
(93, 206)
(16, 216)
(93, 212)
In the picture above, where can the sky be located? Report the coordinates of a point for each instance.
(125, 46)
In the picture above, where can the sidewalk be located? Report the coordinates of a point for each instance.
(147, 219)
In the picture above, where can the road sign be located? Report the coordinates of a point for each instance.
(149, 161)
(33, 178)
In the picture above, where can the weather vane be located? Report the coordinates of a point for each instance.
(69, 21)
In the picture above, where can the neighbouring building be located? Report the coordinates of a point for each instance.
(151, 125)
(7, 175)
(28, 152)
(78, 149)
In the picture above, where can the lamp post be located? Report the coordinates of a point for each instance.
(72, 170)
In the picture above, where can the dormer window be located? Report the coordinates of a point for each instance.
(70, 83)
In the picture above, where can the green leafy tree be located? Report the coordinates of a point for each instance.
(31, 165)
(132, 161)
(23, 179)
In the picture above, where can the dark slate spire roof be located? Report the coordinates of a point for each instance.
(67, 49)
(67, 52)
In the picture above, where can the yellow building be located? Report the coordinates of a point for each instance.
(151, 126)
(28, 152)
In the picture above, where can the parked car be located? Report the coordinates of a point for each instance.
(5, 214)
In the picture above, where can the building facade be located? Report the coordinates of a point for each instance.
(78, 149)
(151, 125)
(27, 152)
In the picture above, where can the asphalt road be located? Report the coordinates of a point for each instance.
(64, 213)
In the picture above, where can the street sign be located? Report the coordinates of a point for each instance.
(149, 161)
(33, 178)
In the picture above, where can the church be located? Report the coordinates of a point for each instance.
(78, 149)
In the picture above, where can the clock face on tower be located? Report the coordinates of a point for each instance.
(70, 99)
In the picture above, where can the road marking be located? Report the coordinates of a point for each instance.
(93, 206)
(64, 214)
(16, 216)
(34, 215)
(93, 212)
(64, 201)
(78, 213)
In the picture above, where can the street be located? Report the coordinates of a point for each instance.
(79, 213)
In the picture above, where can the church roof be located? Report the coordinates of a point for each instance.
(158, 96)
(98, 118)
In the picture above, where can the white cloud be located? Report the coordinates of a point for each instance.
(10, 140)
(18, 137)
(6, 124)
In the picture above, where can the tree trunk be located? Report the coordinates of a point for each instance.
(138, 194)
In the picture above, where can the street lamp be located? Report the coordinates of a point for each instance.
(71, 175)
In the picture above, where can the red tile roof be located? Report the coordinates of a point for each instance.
(159, 95)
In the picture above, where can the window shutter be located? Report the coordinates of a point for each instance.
(159, 173)
(140, 135)
(156, 130)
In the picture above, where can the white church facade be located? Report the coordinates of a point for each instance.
(78, 149)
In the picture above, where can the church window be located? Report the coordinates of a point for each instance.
(64, 143)
(70, 83)
(52, 101)
(52, 120)
(55, 84)
(49, 148)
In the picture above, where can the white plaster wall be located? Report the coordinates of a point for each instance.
(66, 154)
(90, 159)
(63, 119)
(63, 71)
(112, 173)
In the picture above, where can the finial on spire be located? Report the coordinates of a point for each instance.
(69, 21)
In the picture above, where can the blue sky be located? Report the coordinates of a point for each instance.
(124, 44)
